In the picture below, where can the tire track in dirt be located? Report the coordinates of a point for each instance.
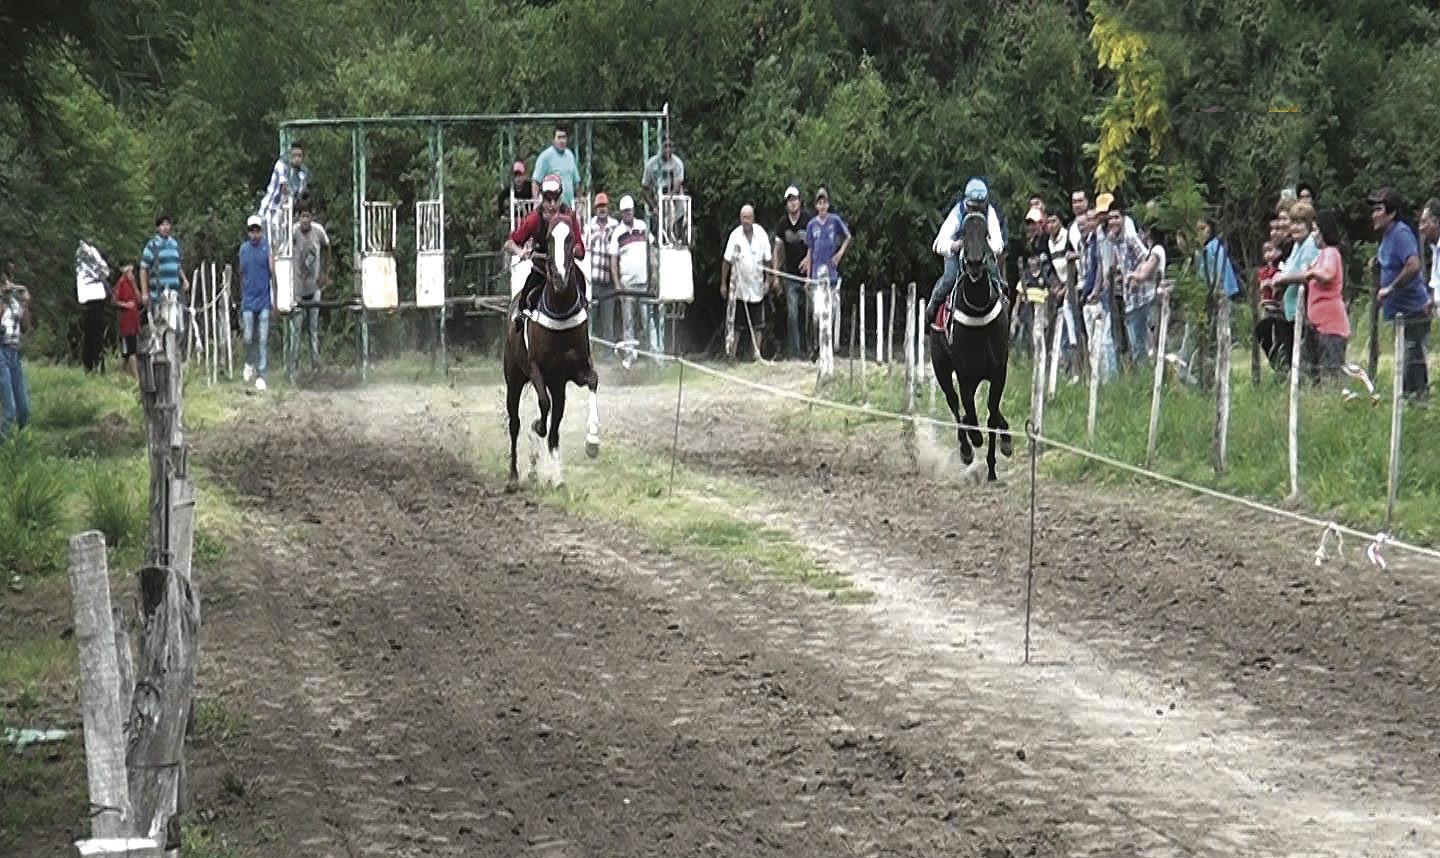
(453, 689)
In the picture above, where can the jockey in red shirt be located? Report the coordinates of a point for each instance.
(535, 228)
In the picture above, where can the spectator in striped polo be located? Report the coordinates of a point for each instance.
(160, 263)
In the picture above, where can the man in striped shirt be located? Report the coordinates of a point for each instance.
(287, 184)
(160, 267)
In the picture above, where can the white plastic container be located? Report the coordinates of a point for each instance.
(284, 284)
(379, 289)
(677, 275)
(430, 279)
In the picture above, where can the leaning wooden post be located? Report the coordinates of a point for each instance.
(910, 350)
(1160, 337)
(1094, 406)
(1374, 366)
(1294, 429)
(1222, 385)
(1397, 417)
(1038, 345)
(890, 332)
(102, 702)
(860, 311)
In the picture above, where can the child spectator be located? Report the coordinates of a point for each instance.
(1272, 332)
(127, 309)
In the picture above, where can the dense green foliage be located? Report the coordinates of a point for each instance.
(893, 105)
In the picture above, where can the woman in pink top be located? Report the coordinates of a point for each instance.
(1329, 326)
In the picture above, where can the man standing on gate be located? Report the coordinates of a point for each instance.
(257, 278)
(665, 174)
(558, 159)
(288, 181)
(747, 254)
(310, 255)
(598, 231)
(788, 253)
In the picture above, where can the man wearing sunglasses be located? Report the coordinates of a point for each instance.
(534, 231)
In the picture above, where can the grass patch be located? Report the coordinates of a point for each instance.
(696, 523)
(30, 668)
(44, 790)
(115, 501)
(1344, 447)
(197, 841)
(217, 722)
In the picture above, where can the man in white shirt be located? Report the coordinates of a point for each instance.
(743, 279)
(630, 265)
(91, 291)
(1430, 232)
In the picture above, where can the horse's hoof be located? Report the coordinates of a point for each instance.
(512, 485)
(990, 477)
(538, 427)
(1007, 446)
(967, 456)
(592, 449)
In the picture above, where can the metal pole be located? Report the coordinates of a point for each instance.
(675, 441)
(1396, 420)
(1030, 547)
(1294, 427)
(1159, 377)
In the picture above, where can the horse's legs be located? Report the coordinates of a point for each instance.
(946, 380)
(542, 398)
(592, 421)
(971, 419)
(513, 389)
(557, 400)
(997, 420)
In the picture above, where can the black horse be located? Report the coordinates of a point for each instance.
(975, 344)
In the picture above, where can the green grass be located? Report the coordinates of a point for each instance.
(216, 721)
(1344, 447)
(30, 667)
(700, 522)
(197, 841)
(115, 502)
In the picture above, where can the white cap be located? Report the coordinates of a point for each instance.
(792, 191)
(551, 185)
(253, 220)
(627, 203)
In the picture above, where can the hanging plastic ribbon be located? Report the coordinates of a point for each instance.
(1331, 529)
(1373, 551)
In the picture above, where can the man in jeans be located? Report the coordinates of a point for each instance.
(788, 252)
(310, 252)
(14, 319)
(257, 273)
(1402, 290)
(597, 254)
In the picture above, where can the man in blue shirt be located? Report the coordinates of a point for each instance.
(257, 274)
(827, 237)
(1402, 291)
(559, 158)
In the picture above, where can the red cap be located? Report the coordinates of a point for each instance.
(601, 199)
(518, 168)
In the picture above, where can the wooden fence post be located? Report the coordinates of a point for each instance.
(1160, 337)
(1038, 345)
(910, 350)
(102, 701)
(1397, 417)
(1374, 366)
(860, 311)
(1094, 404)
(1222, 385)
(1294, 427)
(890, 332)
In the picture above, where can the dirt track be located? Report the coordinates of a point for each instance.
(502, 681)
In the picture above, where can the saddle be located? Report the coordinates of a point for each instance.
(951, 312)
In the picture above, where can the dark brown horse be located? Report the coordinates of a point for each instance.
(550, 350)
(975, 345)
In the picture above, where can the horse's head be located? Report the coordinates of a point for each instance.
(975, 243)
(560, 247)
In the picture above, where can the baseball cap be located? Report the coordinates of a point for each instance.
(602, 199)
(518, 167)
(1103, 202)
(792, 191)
(627, 203)
(551, 185)
(253, 220)
(1035, 214)
(821, 192)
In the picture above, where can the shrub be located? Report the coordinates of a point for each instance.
(113, 506)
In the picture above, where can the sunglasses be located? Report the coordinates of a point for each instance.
(552, 197)
(252, 229)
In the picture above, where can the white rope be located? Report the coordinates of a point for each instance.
(1378, 541)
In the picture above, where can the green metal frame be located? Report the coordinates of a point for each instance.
(436, 123)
